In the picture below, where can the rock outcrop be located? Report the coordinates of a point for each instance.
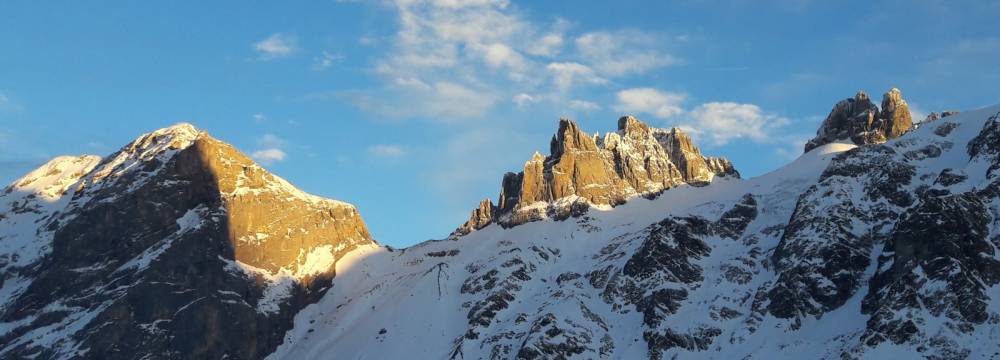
(859, 120)
(589, 170)
(934, 116)
(481, 216)
(176, 246)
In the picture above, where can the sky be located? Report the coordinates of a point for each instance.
(413, 110)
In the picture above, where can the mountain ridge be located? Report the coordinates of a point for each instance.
(881, 240)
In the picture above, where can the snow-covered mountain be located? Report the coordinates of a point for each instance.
(870, 251)
(881, 240)
(176, 246)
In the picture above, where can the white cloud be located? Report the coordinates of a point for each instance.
(523, 99)
(567, 74)
(622, 53)
(583, 105)
(270, 149)
(268, 156)
(275, 46)
(549, 45)
(649, 101)
(386, 150)
(498, 55)
(325, 61)
(724, 121)
(486, 51)
(259, 118)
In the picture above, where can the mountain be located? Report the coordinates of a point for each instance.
(176, 246)
(584, 170)
(879, 241)
(865, 247)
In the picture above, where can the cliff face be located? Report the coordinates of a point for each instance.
(860, 121)
(177, 245)
(584, 170)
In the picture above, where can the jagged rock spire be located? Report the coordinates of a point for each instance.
(859, 120)
(584, 170)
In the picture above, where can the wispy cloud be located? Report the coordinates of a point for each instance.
(583, 105)
(650, 101)
(623, 52)
(523, 99)
(567, 74)
(324, 61)
(275, 46)
(485, 51)
(722, 122)
(386, 150)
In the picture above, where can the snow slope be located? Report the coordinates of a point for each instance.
(583, 287)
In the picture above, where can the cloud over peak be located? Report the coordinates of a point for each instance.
(650, 101)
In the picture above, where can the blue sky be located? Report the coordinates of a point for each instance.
(413, 110)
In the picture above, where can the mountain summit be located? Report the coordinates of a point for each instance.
(175, 246)
(860, 121)
(589, 170)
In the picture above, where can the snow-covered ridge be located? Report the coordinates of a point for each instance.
(51, 180)
(27, 203)
(159, 146)
(687, 274)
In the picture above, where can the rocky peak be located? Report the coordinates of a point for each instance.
(585, 170)
(630, 125)
(206, 249)
(481, 216)
(895, 116)
(569, 137)
(859, 120)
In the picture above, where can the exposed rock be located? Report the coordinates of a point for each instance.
(934, 116)
(481, 216)
(851, 118)
(860, 121)
(177, 246)
(895, 116)
(585, 170)
(937, 266)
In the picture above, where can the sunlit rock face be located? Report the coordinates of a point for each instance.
(176, 246)
(589, 170)
(860, 121)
